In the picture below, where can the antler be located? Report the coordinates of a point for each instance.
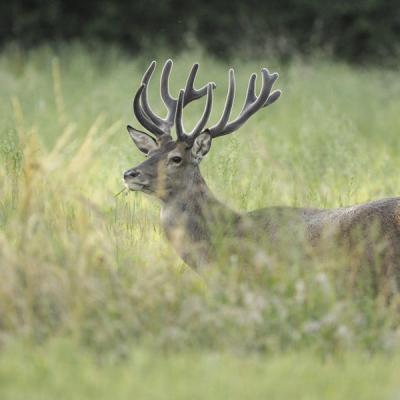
(180, 131)
(152, 122)
(252, 104)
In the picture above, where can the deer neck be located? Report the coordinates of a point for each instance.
(189, 219)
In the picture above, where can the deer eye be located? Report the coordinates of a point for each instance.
(176, 159)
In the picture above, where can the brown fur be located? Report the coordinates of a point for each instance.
(196, 223)
(364, 238)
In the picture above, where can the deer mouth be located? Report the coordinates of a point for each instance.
(137, 187)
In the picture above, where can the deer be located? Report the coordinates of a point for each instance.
(195, 222)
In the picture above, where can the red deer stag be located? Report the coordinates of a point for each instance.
(196, 223)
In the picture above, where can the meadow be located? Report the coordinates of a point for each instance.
(94, 302)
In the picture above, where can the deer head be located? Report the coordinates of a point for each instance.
(173, 165)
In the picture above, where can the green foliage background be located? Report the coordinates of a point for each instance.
(353, 30)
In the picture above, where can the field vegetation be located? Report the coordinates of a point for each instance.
(95, 303)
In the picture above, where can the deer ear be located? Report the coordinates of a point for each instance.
(201, 146)
(143, 141)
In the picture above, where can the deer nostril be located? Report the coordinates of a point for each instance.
(132, 173)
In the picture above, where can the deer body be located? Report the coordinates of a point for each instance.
(198, 225)
(190, 225)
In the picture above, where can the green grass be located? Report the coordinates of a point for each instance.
(61, 371)
(80, 264)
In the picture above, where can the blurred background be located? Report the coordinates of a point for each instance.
(94, 302)
(358, 30)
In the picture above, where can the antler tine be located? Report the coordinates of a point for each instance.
(149, 72)
(161, 123)
(251, 105)
(251, 91)
(146, 116)
(272, 97)
(164, 85)
(169, 101)
(190, 92)
(228, 104)
(206, 113)
(180, 130)
(141, 116)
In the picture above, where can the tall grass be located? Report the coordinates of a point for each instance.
(77, 261)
